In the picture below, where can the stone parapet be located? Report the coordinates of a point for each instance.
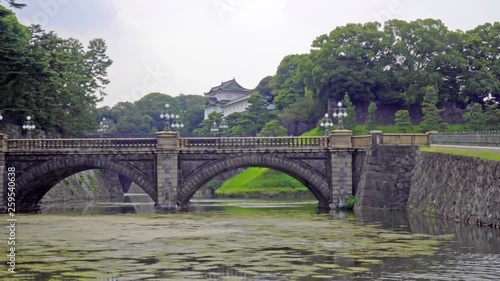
(340, 138)
(166, 140)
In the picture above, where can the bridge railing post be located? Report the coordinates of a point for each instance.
(430, 136)
(3, 143)
(167, 171)
(341, 138)
(377, 137)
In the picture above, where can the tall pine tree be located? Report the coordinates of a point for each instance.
(432, 120)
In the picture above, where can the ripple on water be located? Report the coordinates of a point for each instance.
(292, 243)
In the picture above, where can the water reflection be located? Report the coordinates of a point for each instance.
(131, 204)
(480, 239)
(473, 253)
(250, 240)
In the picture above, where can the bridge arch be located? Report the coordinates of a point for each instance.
(315, 182)
(34, 183)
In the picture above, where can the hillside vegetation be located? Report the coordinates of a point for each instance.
(417, 75)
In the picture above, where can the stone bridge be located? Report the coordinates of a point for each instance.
(171, 169)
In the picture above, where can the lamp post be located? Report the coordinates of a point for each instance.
(223, 125)
(172, 120)
(326, 123)
(214, 129)
(1, 117)
(29, 125)
(102, 127)
(339, 113)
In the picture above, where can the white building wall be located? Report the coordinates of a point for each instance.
(211, 109)
(235, 107)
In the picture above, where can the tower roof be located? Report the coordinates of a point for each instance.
(230, 85)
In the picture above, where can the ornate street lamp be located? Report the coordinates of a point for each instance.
(172, 120)
(214, 129)
(223, 126)
(340, 113)
(102, 127)
(1, 117)
(326, 123)
(29, 125)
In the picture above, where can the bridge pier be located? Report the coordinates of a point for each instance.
(3, 171)
(341, 168)
(167, 171)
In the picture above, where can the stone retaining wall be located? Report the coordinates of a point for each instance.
(437, 184)
(386, 177)
(93, 185)
(456, 187)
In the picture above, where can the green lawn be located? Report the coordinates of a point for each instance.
(463, 152)
(261, 182)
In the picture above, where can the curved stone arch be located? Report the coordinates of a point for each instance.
(33, 184)
(310, 178)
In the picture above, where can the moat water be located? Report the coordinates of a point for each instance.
(246, 240)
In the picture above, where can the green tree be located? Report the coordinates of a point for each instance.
(256, 115)
(492, 115)
(350, 120)
(345, 61)
(238, 125)
(203, 129)
(96, 65)
(403, 120)
(273, 129)
(305, 109)
(153, 104)
(135, 124)
(265, 86)
(370, 122)
(287, 85)
(432, 120)
(192, 110)
(474, 117)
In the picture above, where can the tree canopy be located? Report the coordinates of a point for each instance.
(414, 67)
(56, 80)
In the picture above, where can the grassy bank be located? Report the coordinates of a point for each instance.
(262, 183)
(463, 152)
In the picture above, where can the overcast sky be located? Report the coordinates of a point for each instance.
(179, 46)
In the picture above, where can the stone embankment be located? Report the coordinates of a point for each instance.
(437, 184)
(92, 185)
(386, 177)
(456, 187)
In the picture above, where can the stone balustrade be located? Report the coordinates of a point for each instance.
(338, 139)
(361, 141)
(405, 139)
(256, 142)
(79, 144)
